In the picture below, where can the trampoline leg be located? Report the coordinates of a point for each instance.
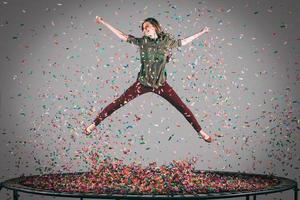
(296, 193)
(254, 197)
(247, 197)
(16, 196)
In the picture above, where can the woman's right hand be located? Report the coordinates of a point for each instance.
(205, 29)
(121, 35)
(99, 20)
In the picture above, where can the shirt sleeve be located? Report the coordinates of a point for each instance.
(133, 40)
(173, 43)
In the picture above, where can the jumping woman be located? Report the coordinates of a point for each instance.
(155, 50)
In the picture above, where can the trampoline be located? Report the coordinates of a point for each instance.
(274, 184)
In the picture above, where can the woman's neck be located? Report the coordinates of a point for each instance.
(154, 36)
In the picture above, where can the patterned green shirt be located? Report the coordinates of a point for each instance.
(153, 53)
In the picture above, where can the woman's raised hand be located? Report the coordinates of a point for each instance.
(205, 29)
(99, 20)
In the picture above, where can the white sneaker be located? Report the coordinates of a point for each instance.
(89, 129)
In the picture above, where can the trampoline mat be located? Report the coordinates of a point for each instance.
(177, 178)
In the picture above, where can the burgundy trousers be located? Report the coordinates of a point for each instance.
(166, 91)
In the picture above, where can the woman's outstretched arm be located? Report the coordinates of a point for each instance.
(119, 33)
(191, 38)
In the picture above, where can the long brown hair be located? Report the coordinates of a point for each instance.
(154, 23)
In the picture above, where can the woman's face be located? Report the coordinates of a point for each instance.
(149, 29)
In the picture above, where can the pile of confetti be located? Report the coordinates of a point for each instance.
(177, 177)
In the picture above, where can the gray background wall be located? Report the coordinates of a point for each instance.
(59, 68)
